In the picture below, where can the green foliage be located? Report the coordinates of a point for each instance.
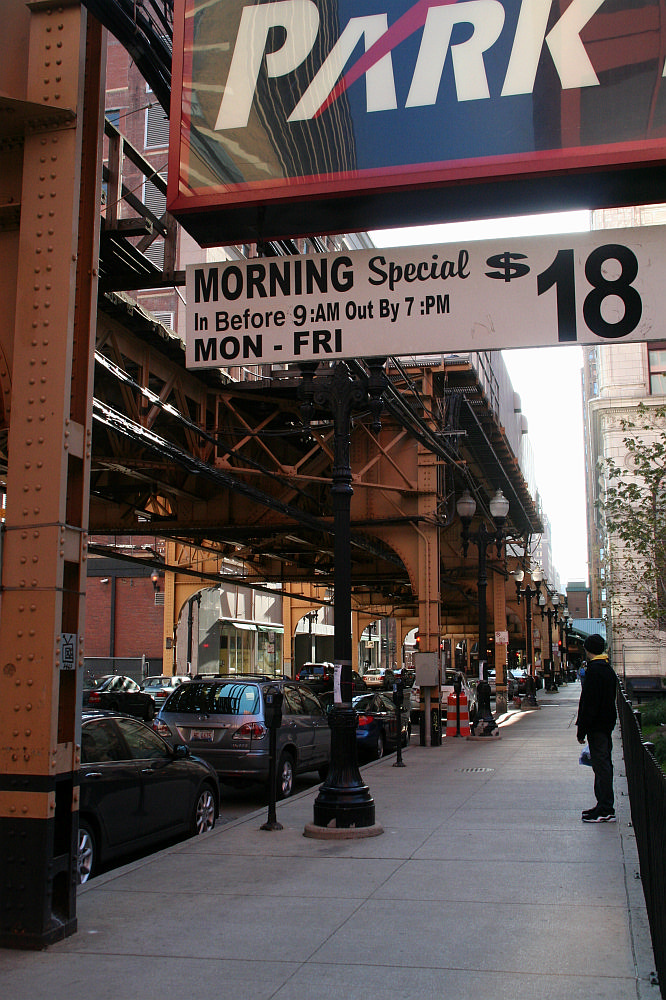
(634, 512)
(653, 727)
(653, 713)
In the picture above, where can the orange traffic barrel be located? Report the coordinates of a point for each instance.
(457, 715)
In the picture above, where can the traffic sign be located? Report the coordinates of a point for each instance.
(592, 288)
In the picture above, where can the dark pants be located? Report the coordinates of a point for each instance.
(601, 745)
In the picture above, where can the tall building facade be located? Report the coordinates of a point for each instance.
(616, 379)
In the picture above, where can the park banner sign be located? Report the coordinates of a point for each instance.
(588, 288)
(298, 117)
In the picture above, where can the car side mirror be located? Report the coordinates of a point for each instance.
(181, 751)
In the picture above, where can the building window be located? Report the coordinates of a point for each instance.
(657, 365)
(154, 200)
(165, 318)
(157, 127)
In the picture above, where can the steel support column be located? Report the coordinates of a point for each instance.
(44, 557)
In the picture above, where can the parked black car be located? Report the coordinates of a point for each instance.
(319, 678)
(136, 790)
(118, 694)
(376, 732)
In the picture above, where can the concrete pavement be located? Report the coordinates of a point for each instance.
(484, 883)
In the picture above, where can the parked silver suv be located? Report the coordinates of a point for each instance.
(222, 719)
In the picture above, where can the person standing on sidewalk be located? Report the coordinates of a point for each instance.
(597, 715)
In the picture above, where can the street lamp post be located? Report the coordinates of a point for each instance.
(483, 538)
(344, 800)
(312, 617)
(564, 621)
(528, 593)
(551, 614)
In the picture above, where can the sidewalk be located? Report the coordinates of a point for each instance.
(484, 883)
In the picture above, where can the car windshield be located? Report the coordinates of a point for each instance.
(156, 682)
(226, 698)
(363, 703)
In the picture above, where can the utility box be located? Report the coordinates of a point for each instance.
(427, 670)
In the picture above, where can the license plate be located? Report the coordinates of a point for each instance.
(203, 735)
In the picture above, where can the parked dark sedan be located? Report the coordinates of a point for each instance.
(377, 725)
(119, 694)
(377, 730)
(319, 678)
(136, 790)
(517, 682)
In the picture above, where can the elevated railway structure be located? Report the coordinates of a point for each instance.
(104, 434)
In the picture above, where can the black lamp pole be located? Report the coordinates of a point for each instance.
(528, 593)
(343, 801)
(551, 614)
(568, 632)
(483, 538)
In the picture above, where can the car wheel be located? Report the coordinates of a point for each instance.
(86, 861)
(380, 746)
(203, 815)
(285, 776)
(150, 713)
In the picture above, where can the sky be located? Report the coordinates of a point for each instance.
(547, 380)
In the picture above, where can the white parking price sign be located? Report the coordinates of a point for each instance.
(590, 288)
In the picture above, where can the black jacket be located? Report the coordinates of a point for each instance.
(597, 712)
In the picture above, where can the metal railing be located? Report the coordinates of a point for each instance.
(647, 797)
